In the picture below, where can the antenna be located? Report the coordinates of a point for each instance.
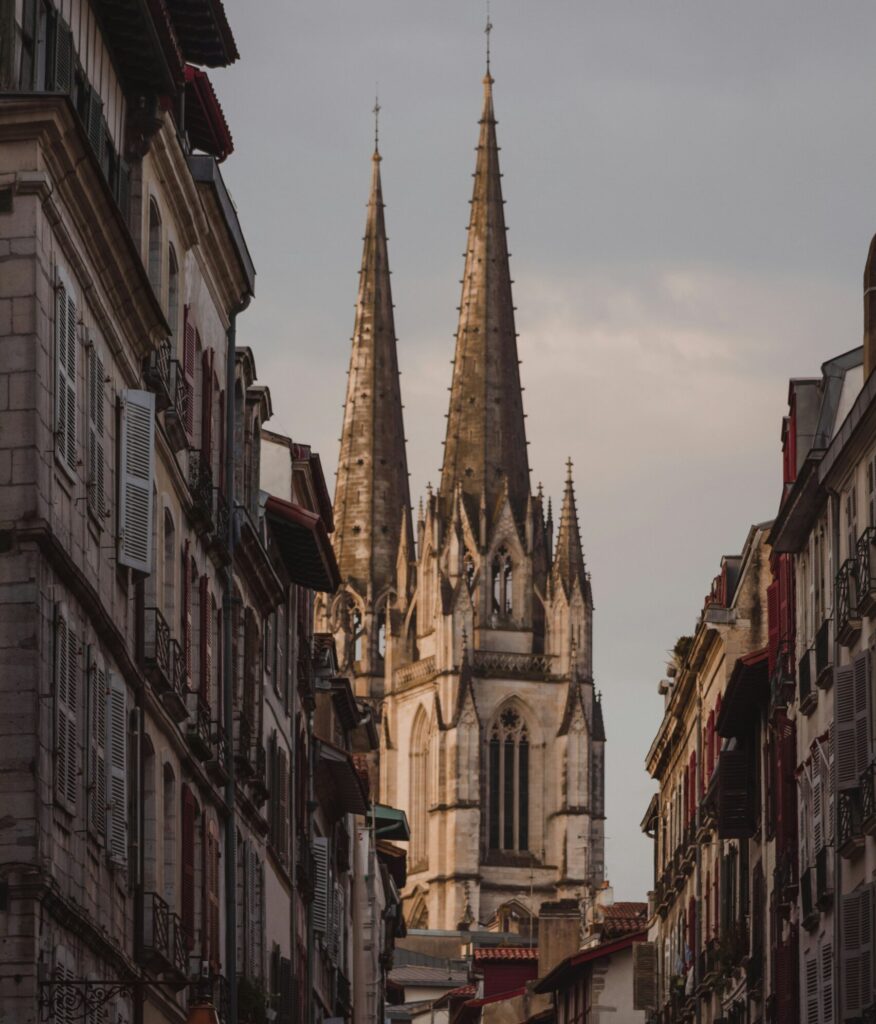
(487, 31)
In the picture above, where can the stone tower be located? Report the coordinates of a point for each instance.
(491, 735)
(372, 506)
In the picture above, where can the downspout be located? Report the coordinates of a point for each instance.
(311, 809)
(698, 922)
(293, 806)
(837, 860)
(139, 897)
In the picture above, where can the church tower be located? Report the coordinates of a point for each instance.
(492, 737)
(373, 536)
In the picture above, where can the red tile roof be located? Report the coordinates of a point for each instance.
(463, 992)
(506, 953)
(623, 917)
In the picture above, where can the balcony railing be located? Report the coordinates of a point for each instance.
(866, 571)
(157, 658)
(823, 656)
(201, 488)
(243, 746)
(177, 413)
(785, 879)
(848, 614)
(850, 822)
(808, 889)
(805, 679)
(157, 374)
(198, 726)
(868, 799)
(219, 528)
(165, 943)
(217, 763)
(174, 699)
(824, 878)
(259, 780)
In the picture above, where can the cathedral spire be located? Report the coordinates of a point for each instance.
(569, 558)
(372, 497)
(486, 437)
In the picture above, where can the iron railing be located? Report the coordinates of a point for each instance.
(201, 487)
(848, 615)
(823, 656)
(176, 416)
(157, 373)
(243, 746)
(156, 929)
(849, 821)
(868, 799)
(866, 570)
(157, 659)
(217, 763)
(198, 728)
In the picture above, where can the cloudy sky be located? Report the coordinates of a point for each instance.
(690, 194)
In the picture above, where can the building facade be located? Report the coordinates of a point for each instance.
(473, 641)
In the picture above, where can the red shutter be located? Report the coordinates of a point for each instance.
(212, 873)
(188, 865)
(206, 638)
(773, 624)
(710, 729)
(207, 407)
(189, 346)
(187, 613)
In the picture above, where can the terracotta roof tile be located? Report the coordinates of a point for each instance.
(506, 953)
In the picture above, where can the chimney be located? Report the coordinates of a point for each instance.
(559, 933)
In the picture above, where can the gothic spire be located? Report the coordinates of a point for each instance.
(372, 497)
(486, 437)
(569, 558)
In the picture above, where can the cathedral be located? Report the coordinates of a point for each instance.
(469, 631)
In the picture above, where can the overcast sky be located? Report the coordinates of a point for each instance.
(690, 195)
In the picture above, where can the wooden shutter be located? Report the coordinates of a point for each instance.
(97, 733)
(212, 855)
(66, 354)
(66, 707)
(136, 476)
(772, 624)
(692, 790)
(222, 444)
(817, 790)
(96, 458)
(825, 979)
(844, 703)
(735, 795)
(644, 976)
(810, 988)
(187, 880)
(806, 819)
(206, 639)
(117, 759)
(861, 670)
(189, 349)
(281, 782)
(63, 1002)
(320, 906)
(823, 755)
(207, 407)
(857, 935)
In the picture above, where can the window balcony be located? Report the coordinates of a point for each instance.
(157, 374)
(850, 822)
(259, 778)
(177, 412)
(806, 674)
(824, 878)
(157, 658)
(866, 571)
(217, 541)
(165, 943)
(244, 754)
(175, 698)
(848, 614)
(785, 881)
(823, 657)
(808, 906)
(198, 726)
(782, 681)
(217, 762)
(868, 800)
(201, 489)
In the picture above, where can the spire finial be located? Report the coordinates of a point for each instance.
(487, 30)
(376, 111)
(569, 469)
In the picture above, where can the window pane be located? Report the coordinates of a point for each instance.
(494, 793)
(523, 791)
(508, 831)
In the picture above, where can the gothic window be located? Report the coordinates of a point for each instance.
(419, 778)
(381, 634)
(468, 568)
(358, 633)
(508, 783)
(503, 590)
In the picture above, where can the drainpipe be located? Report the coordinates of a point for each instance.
(292, 659)
(139, 897)
(311, 809)
(698, 923)
(837, 860)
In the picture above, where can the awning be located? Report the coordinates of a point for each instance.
(395, 859)
(304, 544)
(205, 122)
(338, 783)
(746, 693)
(391, 823)
(203, 31)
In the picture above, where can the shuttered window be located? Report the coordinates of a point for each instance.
(736, 795)
(857, 944)
(207, 408)
(825, 979)
(852, 721)
(211, 856)
(63, 1004)
(97, 736)
(66, 354)
(96, 464)
(136, 475)
(117, 760)
(186, 612)
(187, 863)
(66, 711)
(644, 976)
(320, 906)
(205, 637)
(811, 999)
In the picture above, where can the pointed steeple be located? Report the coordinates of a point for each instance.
(486, 436)
(372, 496)
(569, 558)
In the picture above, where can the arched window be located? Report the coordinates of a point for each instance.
(358, 634)
(508, 760)
(172, 290)
(154, 251)
(419, 780)
(503, 580)
(381, 635)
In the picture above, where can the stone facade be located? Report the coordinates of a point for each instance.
(475, 646)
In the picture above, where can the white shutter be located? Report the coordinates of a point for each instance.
(65, 378)
(804, 789)
(136, 473)
(862, 713)
(319, 907)
(66, 706)
(65, 998)
(97, 736)
(844, 698)
(96, 453)
(810, 988)
(825, 979)
(823, 753)
(817, 806)
(857, 935)
(117, 758)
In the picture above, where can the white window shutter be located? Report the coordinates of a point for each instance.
(825, 980)
(117, 758)
(66, 708)
(810, 988)
(97, 735)
(136, 474)
(321, 891)
(857, 936)
(65, 378)
(96, 451)
(817, 790)
(862, 713)
(844, 703)
(804, 790)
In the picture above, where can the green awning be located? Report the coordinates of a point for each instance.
(391, 823)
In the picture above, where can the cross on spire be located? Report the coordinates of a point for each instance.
(487, 30)
(376, 111)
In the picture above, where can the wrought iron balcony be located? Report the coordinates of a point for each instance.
(157, 374)
(824, 878)
(198, 726)
(259, 780)
(850, 822)
(785, 879)
(823, 656)
(848, 614)
(218, 535)
(805, 678)
(868, 799)
(217, 763)
(782, 682)
(165, 945)
(808, 890)
(179, 947)
(243, 747)
(866, 570)
(157, 656)
(176, 415)
(201, 488)
(175, 698)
